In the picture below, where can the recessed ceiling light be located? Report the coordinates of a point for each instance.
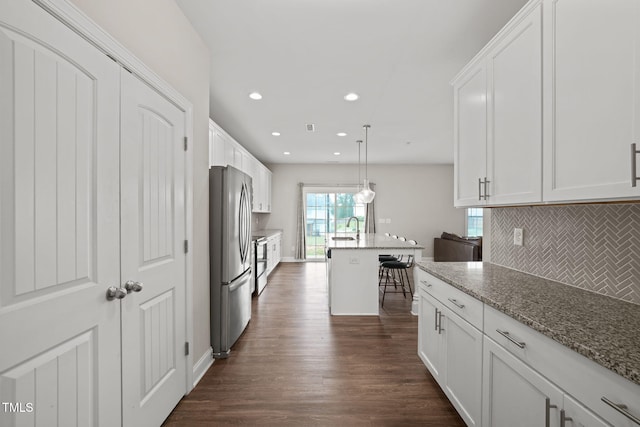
(351, 96)
(341, 134)
(255, 96)
(336, 153)
(286, 153)
(275, 133)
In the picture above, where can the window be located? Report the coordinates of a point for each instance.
(474, 222)
(327, 214)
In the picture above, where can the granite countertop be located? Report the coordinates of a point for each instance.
(603, 329)
(265, 233)
(371, 241)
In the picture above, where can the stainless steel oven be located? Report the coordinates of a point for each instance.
(260, 264)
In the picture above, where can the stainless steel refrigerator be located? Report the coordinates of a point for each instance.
(230, 201)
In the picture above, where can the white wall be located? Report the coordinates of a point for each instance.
(417, 198)
(159, 34)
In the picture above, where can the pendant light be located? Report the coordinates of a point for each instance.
(358, 196)
(366, 195)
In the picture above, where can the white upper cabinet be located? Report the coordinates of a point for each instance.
(592, 99)
(470, 133)
(224, 150)
(514, 143)
(498, 118)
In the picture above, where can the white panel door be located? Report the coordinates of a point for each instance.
(463, 373)
(514, 394)
(153, 233)
(59, 224)
(592, 98)
(470, 137)
(514, 150)
(429, 335)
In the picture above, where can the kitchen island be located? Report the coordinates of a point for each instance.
(352, 271)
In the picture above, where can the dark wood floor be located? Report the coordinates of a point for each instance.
(297, 365)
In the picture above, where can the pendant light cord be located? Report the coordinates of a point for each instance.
(366, 151)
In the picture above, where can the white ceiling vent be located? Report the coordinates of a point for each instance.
(311, 127)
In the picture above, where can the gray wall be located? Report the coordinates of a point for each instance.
(594, 247)
(159, 34)
(417, 198)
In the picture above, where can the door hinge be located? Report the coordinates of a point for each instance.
(186, 143)
(186, 348)
(186, 246)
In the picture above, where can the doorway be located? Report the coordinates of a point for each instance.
(327, 211)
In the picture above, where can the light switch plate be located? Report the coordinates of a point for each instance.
(518, 236)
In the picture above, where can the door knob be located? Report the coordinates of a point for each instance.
(116, 293)
(133, 286)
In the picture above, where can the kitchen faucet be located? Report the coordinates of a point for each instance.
(357, 226)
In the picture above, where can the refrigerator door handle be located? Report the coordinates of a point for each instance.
(238, 281)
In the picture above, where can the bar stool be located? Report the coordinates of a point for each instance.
(402, 276)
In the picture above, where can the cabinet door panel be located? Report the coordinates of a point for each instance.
(429, 341)
(591, 96)
(470, 136)
(579, 416)
(463, 356)
(514, 394)
(514, 146)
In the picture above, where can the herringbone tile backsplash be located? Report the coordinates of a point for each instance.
(594, 247)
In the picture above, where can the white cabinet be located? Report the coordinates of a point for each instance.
(514, 394)
(224, 150)
(274, 252)
(498, 118)
(451, 348)
(592, 99)
(429, 342)
(470, 136)
(497, 371)
(262, 189)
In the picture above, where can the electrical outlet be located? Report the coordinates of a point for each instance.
(518, 236)
(354, 260)
(388, 221)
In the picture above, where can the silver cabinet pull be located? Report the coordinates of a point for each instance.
(634, 169)
(486, 190)
(440, 329)
(116, 293)
(133, 286)
(622, 408)
(479, 189)
(436, 320)
(508, 336)
(564, 418)
(424, 282)
(456, 303)
(547, 412)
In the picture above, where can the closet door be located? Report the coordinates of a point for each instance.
(59, 224)
(153, 257)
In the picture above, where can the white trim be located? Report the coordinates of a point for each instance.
(202, 366)
(78, 21)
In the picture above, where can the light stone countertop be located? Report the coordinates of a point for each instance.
(603, 329)
(265, 233)
(371, 241)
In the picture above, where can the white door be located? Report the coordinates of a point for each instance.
(514, 394)
(59, 224)
(153, 234)
(429, 335)
(592, 98)
(463, 373)
(470, 137)
(514, 149)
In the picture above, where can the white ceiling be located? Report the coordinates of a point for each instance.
(303, 56)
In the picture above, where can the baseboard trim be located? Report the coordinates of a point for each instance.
(202, 366)
(291, 259)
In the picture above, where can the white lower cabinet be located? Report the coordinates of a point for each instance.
(499, 372)
(514, 394)
(451, 348)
